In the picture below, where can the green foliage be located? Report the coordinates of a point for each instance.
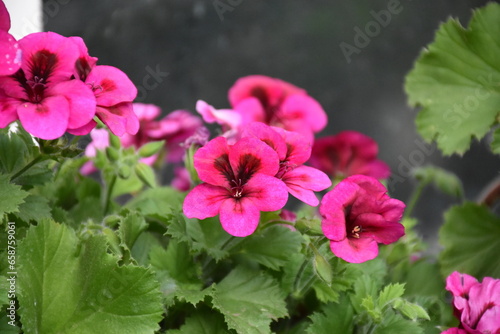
(470, 237)
(249, 301)
(445, 181)
(72, 286)
(11, 196)
(333, 318)
(202, 323)
(456, 81)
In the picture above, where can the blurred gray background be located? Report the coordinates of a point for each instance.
(205, 45)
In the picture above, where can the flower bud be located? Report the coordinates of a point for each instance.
(151, 148)
(145, 174)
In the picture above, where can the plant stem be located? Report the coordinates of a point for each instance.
(28, 166)
(109, 191)
(491, 194)
(415, 196)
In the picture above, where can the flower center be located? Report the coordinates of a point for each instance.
(285, 167)
(248, 165)
(356, 231)
(237, 189)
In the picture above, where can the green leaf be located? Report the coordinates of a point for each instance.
(65, 286)
(249, 301)
(178, 273)
(18, 148)
(4, 290)
(470, 237)
(206, 235)
(202, 323)
(410, 310)
(390, 293)
(333, 318)
(11, 196)
(444, 180)
(157, 202)
(5, 327)
(34, 208)
(495, 143)
(396, 324)
(457, 82)
(131, 228)
(272, 246)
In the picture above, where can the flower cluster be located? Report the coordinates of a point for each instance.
(52, 85)
(476, 305)
(268, 137)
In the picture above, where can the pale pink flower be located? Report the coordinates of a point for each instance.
(238, 183)
(348, 153)
(357, 215)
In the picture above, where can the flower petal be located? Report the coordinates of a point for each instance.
(228, 117)
(298, 146)
(306, 109)
(8, 110)
(10, 61)
(47, 120)
(119, 118)
(253, 156)
(266, 192)
(82, 103)
(111, 86)
(376, 227)
(355, 250)
(212, 162)
(268, 135)
(4, 18)
(333, 209)
(81, 131)
(239, 217)
(204, 201)
(303, 181)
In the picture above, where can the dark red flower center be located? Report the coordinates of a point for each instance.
(248, 165)
(41, 66)
(272, 111)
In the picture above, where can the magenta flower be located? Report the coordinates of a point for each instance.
(293, 150)
(278, 103)
(348, 153)
(357, 215)
(476, 305)
(10, 61)
(227, 118)
(114, 93)
(41, 94)
(238, 183)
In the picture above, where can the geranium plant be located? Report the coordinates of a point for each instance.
(96, 240)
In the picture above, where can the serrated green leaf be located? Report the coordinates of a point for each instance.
(202, 323)
(495, 143)
(68, 286)
(457, 82)
(206, 235)
(396, 324)
(18, 149)
(11, 196)
(333, 318)
(249, 301)
(5, 327)
(271, 247)
(130, 228)
(410, 310)
(156, 202)
(371, 309)
(390, 293)
(34, 208)
(444, 180)
(470, 237)
(142, 246)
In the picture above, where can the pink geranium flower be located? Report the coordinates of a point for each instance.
(10, 61)
(348, 153)
(238, 183)
(114, 93)
(476, 305)
(41, 94)
(293, 151)
(278, 103)
(357, 215)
